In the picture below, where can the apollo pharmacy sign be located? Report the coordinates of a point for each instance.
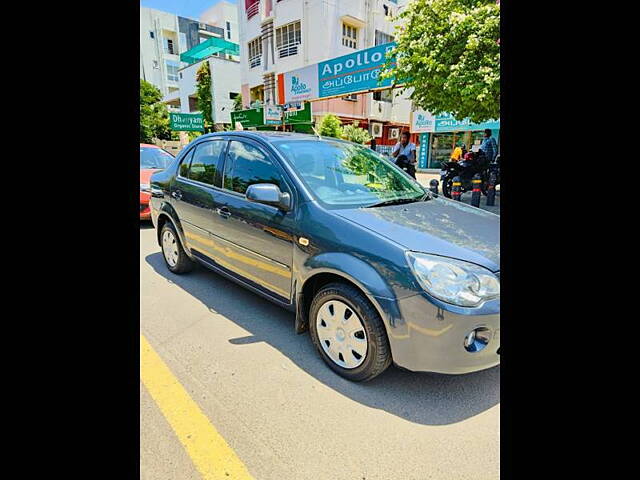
(423, 122)
(352, 73)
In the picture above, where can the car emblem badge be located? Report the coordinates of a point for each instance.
(303, 241)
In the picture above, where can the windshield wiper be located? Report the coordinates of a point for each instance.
(398, 201)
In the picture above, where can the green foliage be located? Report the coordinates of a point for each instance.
(193, 135)
(330, 126)
(237, 103)
(448, 51)
(203, 93)
(154, 116)
(355, 134)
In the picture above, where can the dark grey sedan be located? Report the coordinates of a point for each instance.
(375, 267)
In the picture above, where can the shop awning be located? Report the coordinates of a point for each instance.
(208, 48)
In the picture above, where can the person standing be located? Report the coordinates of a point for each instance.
(407, 149)
(489, 146)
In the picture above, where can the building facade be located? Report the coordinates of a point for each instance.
(277, 36)
(172, 48)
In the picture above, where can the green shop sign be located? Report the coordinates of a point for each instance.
(254, 117)
(186, 122)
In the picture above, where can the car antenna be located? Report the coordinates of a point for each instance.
(316, 132)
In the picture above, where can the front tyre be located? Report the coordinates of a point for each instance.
(174, 255)
(348, 333)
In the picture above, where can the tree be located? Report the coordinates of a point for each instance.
(355, 134)
(154, 116)
(330, 126)
(237, 103)
(448, 53)
(203, 93)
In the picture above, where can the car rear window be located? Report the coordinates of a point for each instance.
(154, 158)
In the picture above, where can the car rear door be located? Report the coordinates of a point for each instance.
(193, 192)
(253, 240)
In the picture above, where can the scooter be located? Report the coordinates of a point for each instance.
(465, 169)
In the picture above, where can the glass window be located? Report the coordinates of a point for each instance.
(343, 175)
(349, 36)
(154, 158)
(247, 165)
(206, 163)
(382, 38)
(255, 52)
(172, 70)
(288, 37)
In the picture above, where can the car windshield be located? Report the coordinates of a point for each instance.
(345, 175)
(154, 158)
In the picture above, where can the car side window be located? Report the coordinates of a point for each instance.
(184, 165)
(206, 164)
(247, 165)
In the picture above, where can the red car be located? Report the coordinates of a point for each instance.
(152, 159)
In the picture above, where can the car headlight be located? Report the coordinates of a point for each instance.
(454, 281)
(145, 187)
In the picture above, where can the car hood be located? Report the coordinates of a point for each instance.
(437, 226)
(145, 174)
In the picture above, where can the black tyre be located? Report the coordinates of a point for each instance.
(349, 333)
(174, 255)
(447, 184)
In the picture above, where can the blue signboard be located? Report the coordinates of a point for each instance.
(424, 150)
(355, 72)
(446, 123)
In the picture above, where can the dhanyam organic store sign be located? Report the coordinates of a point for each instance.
(255, 117)
(352, 73)
(186, 122)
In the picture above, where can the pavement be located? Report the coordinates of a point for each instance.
(229, 391)
(425, 178)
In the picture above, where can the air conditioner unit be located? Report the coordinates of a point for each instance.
(376, 130)
(394, 133)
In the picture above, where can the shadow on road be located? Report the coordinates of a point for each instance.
(146, 225)
(423, 398)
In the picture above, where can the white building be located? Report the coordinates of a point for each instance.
(172, 48)
(277, 36)
(225, 85)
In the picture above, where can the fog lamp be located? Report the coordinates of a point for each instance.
(477, 339)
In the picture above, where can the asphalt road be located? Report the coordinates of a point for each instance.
(285, 415)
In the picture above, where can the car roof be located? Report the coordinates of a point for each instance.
(271, 136)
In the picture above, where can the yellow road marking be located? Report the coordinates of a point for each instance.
(210, 453)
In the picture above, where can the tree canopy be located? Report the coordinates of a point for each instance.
(203, 93)
(448, 52)
(154, 116)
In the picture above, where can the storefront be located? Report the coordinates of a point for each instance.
(440, 134)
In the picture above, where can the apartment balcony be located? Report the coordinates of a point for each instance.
(252, 8)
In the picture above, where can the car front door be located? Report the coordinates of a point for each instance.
(193, 192)
(255, 240)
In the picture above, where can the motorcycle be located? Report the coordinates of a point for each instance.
(465, 169)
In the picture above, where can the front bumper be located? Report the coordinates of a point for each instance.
(429, 338)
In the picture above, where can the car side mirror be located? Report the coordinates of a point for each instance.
(269, 194)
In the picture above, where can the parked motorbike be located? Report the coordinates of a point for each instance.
(475, 162)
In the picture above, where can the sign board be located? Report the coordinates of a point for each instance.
(293, 106)
(186, 122)
(255, 117)
(423, 121)
(423, 151)
(272, 114)
(353, 73)
(248, 118)
(299, 116)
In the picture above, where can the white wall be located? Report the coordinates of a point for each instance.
(225, 78)
(163, 24)
(221, 13)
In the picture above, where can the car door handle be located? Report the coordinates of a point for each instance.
(177, 194)
(224, 212)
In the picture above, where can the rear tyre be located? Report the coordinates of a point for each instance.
(348, 333)
(174, 255)
(447, 184)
